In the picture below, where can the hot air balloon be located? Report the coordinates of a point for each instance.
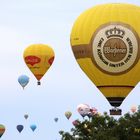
(105, 43)
(56, 119)
(75, 123)
(38, 58)
(2, 130)
(68, 114)
(26, 116)
(133, 109)
(92, 112)
(23, 80)
(33, 127)
(83, 109)
(20, 128)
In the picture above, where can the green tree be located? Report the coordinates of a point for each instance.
(105, 127)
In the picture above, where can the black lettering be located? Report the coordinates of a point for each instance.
(101, 57)
(100, 42)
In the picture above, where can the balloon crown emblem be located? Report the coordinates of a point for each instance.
(115, 32)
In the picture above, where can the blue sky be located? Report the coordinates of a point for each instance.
(63, 87)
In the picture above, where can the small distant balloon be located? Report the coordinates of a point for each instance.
(68, 114)
(56, 119)
(20, 128)
(133, 109)
(26, 116)
(94, 110)
(33, 127)
(23, 80)
(75, 123)
(83, 109)
(2, 130)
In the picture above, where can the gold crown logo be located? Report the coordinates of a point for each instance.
(115, 32)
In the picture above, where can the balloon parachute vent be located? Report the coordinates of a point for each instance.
(38, 83)
(115, 111)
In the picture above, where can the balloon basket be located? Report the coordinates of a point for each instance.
(115, 111)
(38, 83)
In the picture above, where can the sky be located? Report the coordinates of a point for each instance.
(63, 87)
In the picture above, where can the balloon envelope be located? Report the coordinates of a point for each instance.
(133, 109)
(20, 128)
(105, 42)
(33, 127)
(26, 116)
(2, 130)
(75, 123)
(68, 114)
(83, 109)
(38, 58)
(94, 110)
(56, 119)
(23, 80)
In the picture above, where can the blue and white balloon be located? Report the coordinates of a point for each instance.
(33, 127)
(23, 80)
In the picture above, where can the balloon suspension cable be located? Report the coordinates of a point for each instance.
(23, 88)
(38, 83)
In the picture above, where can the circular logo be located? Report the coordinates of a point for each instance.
(115, 48)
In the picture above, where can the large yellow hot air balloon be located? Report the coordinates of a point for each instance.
(105, 42)
(39, 58)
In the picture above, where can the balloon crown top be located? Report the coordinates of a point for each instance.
(115, 32)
